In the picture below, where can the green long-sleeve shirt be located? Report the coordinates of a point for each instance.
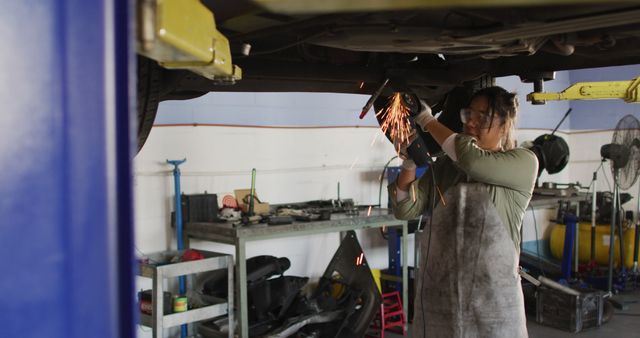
(510, 177)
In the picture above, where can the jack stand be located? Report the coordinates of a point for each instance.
(180, 242)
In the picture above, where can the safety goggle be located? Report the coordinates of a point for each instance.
(482, 120)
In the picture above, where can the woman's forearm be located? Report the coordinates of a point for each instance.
(439, 131)
(405, 178)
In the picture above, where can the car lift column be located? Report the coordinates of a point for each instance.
(67, 238)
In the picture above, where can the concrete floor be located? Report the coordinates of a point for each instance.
(623, 324)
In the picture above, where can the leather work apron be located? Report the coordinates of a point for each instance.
(470, 286)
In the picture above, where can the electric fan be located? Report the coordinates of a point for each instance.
(623, 154)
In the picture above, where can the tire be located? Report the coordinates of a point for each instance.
(148, 89)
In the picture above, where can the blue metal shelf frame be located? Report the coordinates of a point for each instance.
(66, 130)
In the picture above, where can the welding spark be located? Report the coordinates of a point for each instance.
(354, 163)
(374, 139)
(369, 211)
(360, 259)
(361, 84)
(395, 120)
(441, 197)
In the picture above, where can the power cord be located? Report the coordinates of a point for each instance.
(433, 202)
(426, 257)
(384, 170)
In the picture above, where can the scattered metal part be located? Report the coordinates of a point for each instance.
(528, 277)
(297, 323)
(344, 302)
(555, 285)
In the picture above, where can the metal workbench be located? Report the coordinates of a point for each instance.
(239, 236)
(542, 201)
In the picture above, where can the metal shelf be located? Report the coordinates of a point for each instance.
(187, 317)
(154, 267)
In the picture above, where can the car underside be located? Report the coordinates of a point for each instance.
(429, 51)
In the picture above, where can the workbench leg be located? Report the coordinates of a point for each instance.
(157, 301)
(243, 303)
(405, 273)
(230, 297)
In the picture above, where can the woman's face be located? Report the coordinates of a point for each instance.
(479, 125)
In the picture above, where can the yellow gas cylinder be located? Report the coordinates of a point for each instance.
(556, 244)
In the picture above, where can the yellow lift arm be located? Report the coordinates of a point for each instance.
(182, 34)
(629, 91)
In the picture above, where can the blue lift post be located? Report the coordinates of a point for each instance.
(179, 238)
(67, 143)
(394, 253)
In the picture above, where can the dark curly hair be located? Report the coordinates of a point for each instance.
(505, 105)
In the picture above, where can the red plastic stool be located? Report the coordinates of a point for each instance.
(391, 315)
